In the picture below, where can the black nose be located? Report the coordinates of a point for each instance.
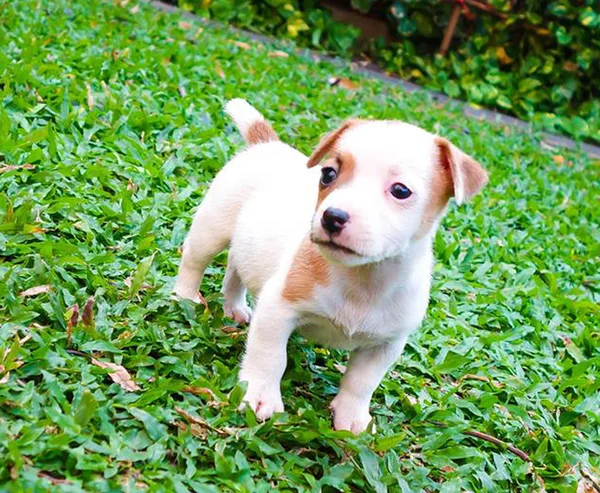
(334, 220)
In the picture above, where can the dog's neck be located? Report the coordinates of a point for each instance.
(388, 275)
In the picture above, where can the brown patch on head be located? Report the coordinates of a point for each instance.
(345, 166)
(328, 142)
(440, 191)
(260, 132)
(454, 175)
(309, 268)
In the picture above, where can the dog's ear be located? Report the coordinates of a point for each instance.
(468, 177)
(327, 142)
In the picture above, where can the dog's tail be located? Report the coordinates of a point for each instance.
(254, 128)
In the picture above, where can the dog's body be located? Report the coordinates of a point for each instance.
(353, 274)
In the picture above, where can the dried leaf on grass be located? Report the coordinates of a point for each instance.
(242, 45)
(90, 97)
(190, 389)
(204, 426)
(10, 167)
(119, 375)
(72, 316)
(233, 331)
(586, 486)
(278, 54)
(52, 479)
(219, 70)
(44, 288)
(87, 314)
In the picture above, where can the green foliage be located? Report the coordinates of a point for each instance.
(302, 21)
(111, 126)
(540, 64)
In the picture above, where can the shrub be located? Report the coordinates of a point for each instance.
(539, 63)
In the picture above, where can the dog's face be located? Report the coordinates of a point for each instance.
(385, 185)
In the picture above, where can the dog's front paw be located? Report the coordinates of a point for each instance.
(185, 292)
(264, 400)
(240, 313)
(351, 414)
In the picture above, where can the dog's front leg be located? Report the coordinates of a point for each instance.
(366, 369)
(265, 359)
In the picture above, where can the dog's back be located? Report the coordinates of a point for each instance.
(267, 184)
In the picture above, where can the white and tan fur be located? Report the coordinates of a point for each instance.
(267, 203)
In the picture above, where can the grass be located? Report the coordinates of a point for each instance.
(111, 126)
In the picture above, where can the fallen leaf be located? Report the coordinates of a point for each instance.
(585, 486)
(31, 230)
(278, 54)
(502, 56)
(242, 45)
(219, 70)
(72, 316)
(201, 426)
(447, 469)
(11, 167)
(592, 479)
(127, 334)
(44, 288)
(119, 375)
(232, 331)
(559, 159)
(199, 391)
(570, 66)
(52, 479)
(90, 96)
(87, 314)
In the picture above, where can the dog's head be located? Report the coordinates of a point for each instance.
(385, 185)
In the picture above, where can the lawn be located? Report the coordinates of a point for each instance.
(111, 126)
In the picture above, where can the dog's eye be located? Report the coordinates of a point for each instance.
(400, 191)
(327, 176)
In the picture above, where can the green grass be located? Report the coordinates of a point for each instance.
(104, 187)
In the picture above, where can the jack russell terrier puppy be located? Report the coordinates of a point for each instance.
(337, 245)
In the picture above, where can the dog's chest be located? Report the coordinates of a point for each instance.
(341, 322)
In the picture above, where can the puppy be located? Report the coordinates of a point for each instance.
(337, 245)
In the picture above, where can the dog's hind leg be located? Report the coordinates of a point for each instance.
(209, 234)
(235, 307)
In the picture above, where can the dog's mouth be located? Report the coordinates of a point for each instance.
(335, 247)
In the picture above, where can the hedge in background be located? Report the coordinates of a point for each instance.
(540, 64)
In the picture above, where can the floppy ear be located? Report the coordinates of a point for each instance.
(327, 142)
(468, 177)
